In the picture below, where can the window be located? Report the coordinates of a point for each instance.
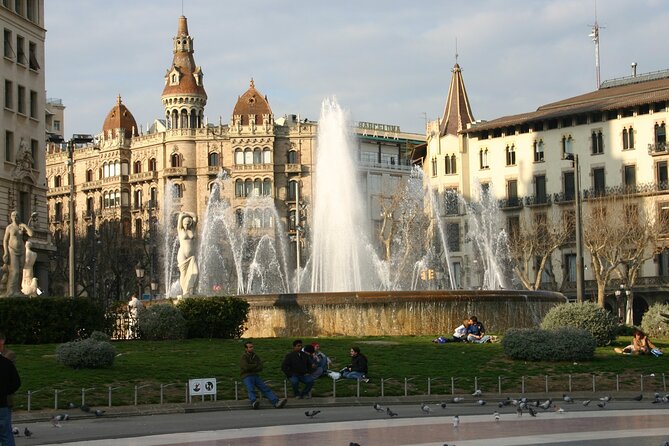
(660, 136)
(57, 181)
(453, 236)
(629, 178)
(570, 267)
(138, 227)
(292, 190)
(567, 145)
(598, 181)
(18, 7)
(511, 155)
(628, 139)
(177, 191)
(513, 226)
(138, 199)
(483, 159)
(20, 50)
(152, 165)
(540, 189)
(137, 167)
(9, 52)
(58, 211)
(33, 104)
(662, 175)
(89, 175)
(597, 142)
(538, 151)
(434, 167)
(568, 185)
(9, 146)
(257, 156)
(154, 198)
(451, 201)
(267, 187)
(31, 10)
(248, 156)
(267, 156)
(239, 157)
(9, 94)
(56, 125)
(512, 192)
(248, 188)
(451, 164)
(34, 151)
(175, 160)
(239, 188)
(21, 99)
(214, 159)
(90, 205)
(292, 157)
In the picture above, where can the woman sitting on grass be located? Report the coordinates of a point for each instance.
(640, 345)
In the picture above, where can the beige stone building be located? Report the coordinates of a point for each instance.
(125, 177)
(22, 127)
(618, 133)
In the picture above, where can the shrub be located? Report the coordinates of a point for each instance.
(561, 344)
(100, 336)
(653, 323)
(214, 317)
(161, 322)
(601, 324)
(91, 353)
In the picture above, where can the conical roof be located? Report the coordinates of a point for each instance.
(184, 63)
(457, 112)
(252, 102)
(119, 117)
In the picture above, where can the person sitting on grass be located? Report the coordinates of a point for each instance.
(459, 335)
(640, 345)
(476, 331)
(358, 367)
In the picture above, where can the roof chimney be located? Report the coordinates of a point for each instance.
(633, 69)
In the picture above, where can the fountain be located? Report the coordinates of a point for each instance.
(354, 290)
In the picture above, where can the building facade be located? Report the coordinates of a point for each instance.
(22, 127)
(618, 134)
(125, 177)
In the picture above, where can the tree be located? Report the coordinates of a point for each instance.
(533, 243)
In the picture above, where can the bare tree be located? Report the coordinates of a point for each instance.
(533, 243)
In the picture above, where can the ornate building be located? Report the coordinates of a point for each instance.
(22, 127)
(125, 177)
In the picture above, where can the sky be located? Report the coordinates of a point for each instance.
(386, 61)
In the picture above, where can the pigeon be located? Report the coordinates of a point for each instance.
(481, 402)
(312, 413)
(567, 398)
(458, 399)
(496, 416)
(456, 421)
(27, 432)
(16, 431)
(519, 411)
(585, 403)
(378, 407)
(523, 406)
(606, 398)
(99, 413)
(560, 410)
(443, 405)
(601, 404)
(71, 405)
(391, 413)
(477, 392)
(84, 408)
(55, 421)
(353, 444)
(425, 408)
(638, 397)
(532, 411)
(546, 404)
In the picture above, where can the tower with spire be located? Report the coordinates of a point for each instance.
(184, 97)
(457, 112)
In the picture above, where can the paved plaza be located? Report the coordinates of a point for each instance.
(620, 423)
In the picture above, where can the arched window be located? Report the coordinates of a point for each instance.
(105, 200)
(90, 205)
(138, 199)
(292, 157)
(117, 198)
(239, 188)
(267, 187)
(267, 156)
(268, 220)
(240, 217)
(152, 165)
(257, 156)
(177, 190)
(510, 155)
(248, 156)
(248, 188)
(154, 197)
(292, 190)
(137, 167)
(184, 119)
(239, 157)
(105, 170)
(214, 159)
(57, 181)
(175, 160)
(257, 188)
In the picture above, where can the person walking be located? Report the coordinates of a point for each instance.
(9, 384)
(250, 366)
(297, 368)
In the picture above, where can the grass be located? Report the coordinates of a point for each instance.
(148, 364)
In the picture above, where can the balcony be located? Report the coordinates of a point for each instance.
(213, 170)
(89, 185)
(143, 176)
(293, 168)
(511, 203)
(660, 148)
(175, 172)
(115, 179)
(538, 200)
(60, 190)
(252, 167)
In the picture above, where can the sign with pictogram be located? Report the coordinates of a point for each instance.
(202, 386)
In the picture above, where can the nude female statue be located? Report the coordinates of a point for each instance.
(188, 270)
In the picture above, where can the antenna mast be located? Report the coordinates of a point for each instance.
(595, 38)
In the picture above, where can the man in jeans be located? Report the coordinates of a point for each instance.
(250, 365)
(297, 367)
(9, 384)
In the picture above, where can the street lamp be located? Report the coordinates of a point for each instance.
(580, 283)
(76, 139)
(139, 272)
(154, 287)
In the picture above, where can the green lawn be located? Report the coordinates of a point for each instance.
(148, 364)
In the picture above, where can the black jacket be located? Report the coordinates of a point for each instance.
(296, 363)
(9, 380)
(359, 363)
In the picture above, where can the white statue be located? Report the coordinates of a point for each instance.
(14, 253)
(133, 310)
(29, 282)
(186, 255)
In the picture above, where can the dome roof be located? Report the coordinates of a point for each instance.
(119, 117)
(252, 103)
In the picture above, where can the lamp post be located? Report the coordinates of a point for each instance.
(619, 293)
(139, 272)
(76, 139)
(580, 283)
(154, 287)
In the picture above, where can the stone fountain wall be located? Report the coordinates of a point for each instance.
(393, 313)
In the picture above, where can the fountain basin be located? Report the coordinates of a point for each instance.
(385, 313)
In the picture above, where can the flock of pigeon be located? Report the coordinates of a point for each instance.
(56, 420)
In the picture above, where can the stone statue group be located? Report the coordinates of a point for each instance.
(18, 259)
